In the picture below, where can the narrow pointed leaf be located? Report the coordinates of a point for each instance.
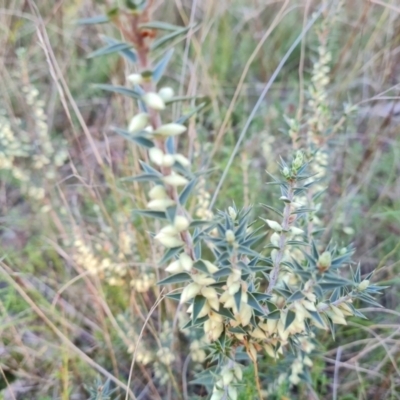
(159, 69)
(289, 319)
(198, 304)
(98, 19)
(177, 278)
(110, 49)
(119, 89)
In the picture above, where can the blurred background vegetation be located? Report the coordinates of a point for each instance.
(64, 211)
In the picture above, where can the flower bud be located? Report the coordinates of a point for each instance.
(168, 230)
(211, 268)
(227, 377)
(258, 334)
(363, 285)
(189, 292)
(275, 239)
(166, 93)
(286, 172)
(296, 231)
(209, 293)
(217, 395)
(232, 213)
(181, 223)
(246, 312)
(213, 302)
(172, 129)
(174, 267)
(274, 225)
(186, 262)
(234, 288)
(156, 155)
(230, 236)
(324, 261)
(182, 160)
(274, 255)
(154, 101)
(160, 204)
(136, 79)
(298, 161)
(169, 241)
(203, 279)
(175, 180)
(138, 122)
(158, 192)
(232, 393)
(238, 372)
(168, 160)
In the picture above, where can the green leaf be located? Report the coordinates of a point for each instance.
(167, 38)
(274, 315)
(272, 209)
(186, 117)
(297, 243)
(170, 253)
(225, 313)
(197, 250)
(198, 304)
(171, 213)
(200, 266)
(177, 278)
(110, 49)
(159, 69)
(283, 292)
(260, 296)
(289, 318)
(174, 296)
(237, 329)
(368, 299)
(183, 197)
(302, 210)
(160, 26)
(119, 89)
(143, 178)
(315, 315)
(99, 19)
(253, 303)
(151, 214)
(238, 298)
(180, 98)
(222, 272)
(198, 223)
(136, 138)
(128, 54)
(295, 296)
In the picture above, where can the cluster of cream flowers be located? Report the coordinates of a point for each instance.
(225, 386)
(111, 265)
(203, 201)
(26, 149)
